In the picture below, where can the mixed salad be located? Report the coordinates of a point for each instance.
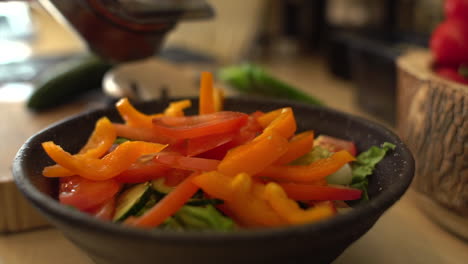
(218, 170)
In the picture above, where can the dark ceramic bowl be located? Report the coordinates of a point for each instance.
(312, 243)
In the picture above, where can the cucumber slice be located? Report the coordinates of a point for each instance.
(132, 200)
(160, 187)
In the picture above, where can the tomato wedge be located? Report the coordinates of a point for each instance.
(335, 144)
(306, 192)
(201, 125)
(85, 194)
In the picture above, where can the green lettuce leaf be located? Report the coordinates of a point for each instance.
(364, 166)
(198, 218)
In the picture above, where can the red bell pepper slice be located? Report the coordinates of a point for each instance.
(200, 125)
(306, 192)
(175, 160)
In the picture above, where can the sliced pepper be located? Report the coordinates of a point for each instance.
(169, 205)
(298, 146)
(200, 125)
(132, 116)
(240, 194)
(206, 100)
(141, 134)
(306, 192)
(284, 123)
(109, 166)
(308, 173)
(98, 144)
(177, 108)
(289, 210)
(254, 156)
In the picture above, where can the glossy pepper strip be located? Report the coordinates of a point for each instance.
(254, 156)
(141, 134)
(98, 144)
(132, 116)
(241, 196)
(206, 100)
(200, 125)
(289, 210)
(109, 166)
(284, 123)
(298, 146)
(308, 173)
(177, 108)
(306, 192)
(169, 205)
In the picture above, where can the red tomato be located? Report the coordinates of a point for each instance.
(175, 160)
(335, 144)
(449, 43)
(86, 194)
(142, 172)
(456, 9)
(246, 133)
(105, 211)
(201, 125)
(451, 74)
(305, 192)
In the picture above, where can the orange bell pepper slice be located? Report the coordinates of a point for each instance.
(241, 196)
(298, 146)
(284, 124)
(250, 209)
(308, 173)
(100, 141)
(254, 156)
(177, 108)
(282, 121)
(266, 119)
(289, 210)
(169, 205)
(215, 184)
(132, 116)
(109, 166)
(206, 100)
(218, 99)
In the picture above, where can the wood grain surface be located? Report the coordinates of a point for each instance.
(433, 120)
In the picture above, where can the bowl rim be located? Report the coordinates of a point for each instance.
(47, 205)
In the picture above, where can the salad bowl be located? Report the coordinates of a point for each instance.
(320, 242)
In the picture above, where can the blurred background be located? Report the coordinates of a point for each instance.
(348, 46)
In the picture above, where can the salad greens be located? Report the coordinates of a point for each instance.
(365, 164)
(198, 218)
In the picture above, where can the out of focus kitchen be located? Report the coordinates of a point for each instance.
(362, 57)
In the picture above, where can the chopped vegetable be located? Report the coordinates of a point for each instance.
(199, 218)
(219, 170)
(252, 79)
(365, 164)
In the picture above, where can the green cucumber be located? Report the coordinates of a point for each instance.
(67, 80)
(252, 79)
(132, 200)
(160, 187)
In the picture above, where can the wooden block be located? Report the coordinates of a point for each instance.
(16, 213)
(433, 120)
